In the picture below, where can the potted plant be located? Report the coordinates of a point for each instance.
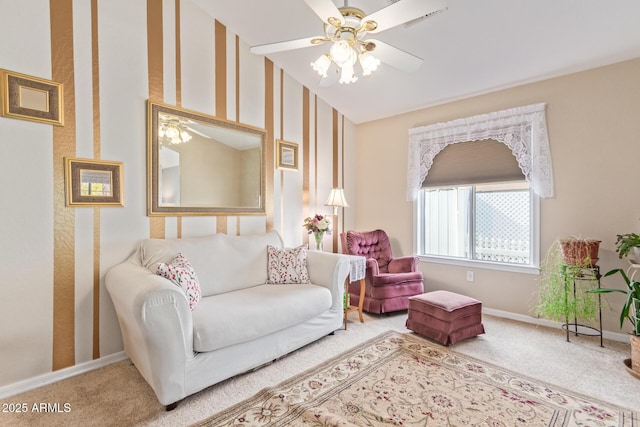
(628, 245)
(579, 252)
(630, 311)
(555, 300)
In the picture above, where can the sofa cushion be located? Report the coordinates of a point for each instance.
(246, 314)
(288, 265)
(181, 273)
(386, 279)
(445, 305)
(223, 262)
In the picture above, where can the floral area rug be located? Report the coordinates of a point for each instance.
(403, 379)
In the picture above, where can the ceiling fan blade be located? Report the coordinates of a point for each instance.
(325, 9)
(395, 57)
(190, 129)
(403, 11)
(265, 49)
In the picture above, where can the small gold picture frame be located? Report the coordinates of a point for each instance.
(93, 182)
(286, 155)
(31, 98)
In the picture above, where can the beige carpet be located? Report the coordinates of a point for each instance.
(118, 396)
(402, 379)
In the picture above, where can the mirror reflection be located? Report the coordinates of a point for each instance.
(202, 165)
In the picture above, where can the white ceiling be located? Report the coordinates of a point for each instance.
(473, 47)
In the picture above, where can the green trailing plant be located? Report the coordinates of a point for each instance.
(625, 242)
(632, 302)
(556, 298)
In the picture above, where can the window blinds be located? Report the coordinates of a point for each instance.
(477, 162)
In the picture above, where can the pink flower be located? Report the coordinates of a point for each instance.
(317, 224)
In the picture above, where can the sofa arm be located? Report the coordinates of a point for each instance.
(156, 325)
(373, 268)
(403, 264)
(329, 270)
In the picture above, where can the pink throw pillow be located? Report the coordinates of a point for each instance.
(181, 273)
(287, 266)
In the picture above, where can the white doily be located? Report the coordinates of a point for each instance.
(522, 129)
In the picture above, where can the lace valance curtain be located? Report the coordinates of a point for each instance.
(522, 129)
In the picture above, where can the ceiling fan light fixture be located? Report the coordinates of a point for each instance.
(347, 74)
(347, 48)
(185, 136)
(322, 64)
(173, 132)
(369, 63)
(342, 53)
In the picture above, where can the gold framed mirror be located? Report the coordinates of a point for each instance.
(201, 165)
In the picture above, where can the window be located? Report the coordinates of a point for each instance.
(488, 225)
(459, 217)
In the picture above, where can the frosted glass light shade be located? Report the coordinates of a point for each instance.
(347, 74)
(342, 53)
(185, 136)
(322, 64)
(369, 63)
(173, 133)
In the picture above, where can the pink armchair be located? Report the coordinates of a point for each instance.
(389, 281)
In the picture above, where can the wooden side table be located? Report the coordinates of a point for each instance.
(357, 273)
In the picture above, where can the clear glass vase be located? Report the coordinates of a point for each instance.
(318, 235)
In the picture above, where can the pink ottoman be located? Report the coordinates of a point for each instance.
(445, 317)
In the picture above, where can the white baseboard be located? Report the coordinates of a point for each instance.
(551, 324)
(41, 380)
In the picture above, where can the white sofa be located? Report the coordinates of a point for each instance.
(240, 323)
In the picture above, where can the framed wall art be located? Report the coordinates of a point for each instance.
(31, 98)
(93, 182)
(286, 155)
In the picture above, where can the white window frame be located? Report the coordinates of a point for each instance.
(532, 268)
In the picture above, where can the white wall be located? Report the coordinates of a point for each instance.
(26, 270)
(593, 120)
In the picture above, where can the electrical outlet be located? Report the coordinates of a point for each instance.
(469, 276)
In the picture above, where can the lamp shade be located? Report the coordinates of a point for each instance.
(336, 199)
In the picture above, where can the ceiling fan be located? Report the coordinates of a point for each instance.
(347, 29)
(176, 129)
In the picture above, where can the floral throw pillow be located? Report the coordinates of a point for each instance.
(181, 273)
(287, 266)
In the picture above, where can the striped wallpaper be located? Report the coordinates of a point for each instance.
(111, 57)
